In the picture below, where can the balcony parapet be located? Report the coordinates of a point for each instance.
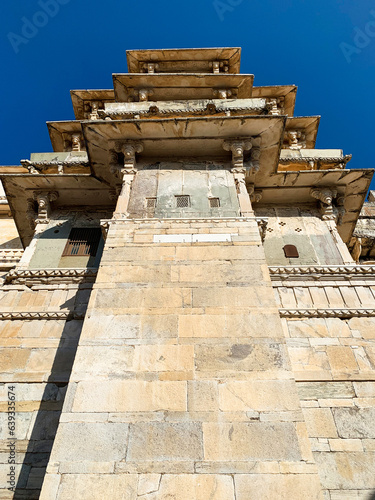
(60, 163)
(119, 111)
(313, 159)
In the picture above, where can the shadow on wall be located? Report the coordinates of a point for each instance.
(43, 433)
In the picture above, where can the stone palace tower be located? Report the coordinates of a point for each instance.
(193, 314)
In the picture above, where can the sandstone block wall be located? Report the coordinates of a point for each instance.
(182, 385)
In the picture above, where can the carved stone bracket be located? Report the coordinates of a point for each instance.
(222, 93)
(150, 67)
(238, 147)
(325, 196)
(296, 139)
(31, 213)
(129, 150)
(144, 94)
(94, 115)
(219, 66)
(275, 106)
(44, 199)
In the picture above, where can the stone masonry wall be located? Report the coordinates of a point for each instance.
(182, 385)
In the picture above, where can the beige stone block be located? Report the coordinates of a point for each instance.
(151, 273)
(250, 296)
(303, 297)
(229, 325)
(13, 359)
(154, 358)
(287, 297)
(320, 422)
(228, 271)
(319, 297)
(241, 357)
(364, 389)
(148, 483)
(194, 487)
(364, 327)
(341, 358)
(41, 360)
(98, 486)
(117, 299)
(335, 299)
(50, 486)
(314, 327)
(364, 402)
(102, 361)
(203, 396)
(308, 359)
(130, 395)
(165, 441)
(250, 441)
(345, 444)
(342, 470)
(220, 252)
(278, 486)
(304, 441)
(259, 395)
(368, 444)
(332, 403)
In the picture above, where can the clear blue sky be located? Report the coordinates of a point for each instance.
(283, 42)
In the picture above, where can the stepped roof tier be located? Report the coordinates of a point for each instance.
(190, 104)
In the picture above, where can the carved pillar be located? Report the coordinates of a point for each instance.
(332, 216)
(94, 115)
(126, 172)
(76, 142)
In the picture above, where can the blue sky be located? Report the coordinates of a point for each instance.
(283, 42)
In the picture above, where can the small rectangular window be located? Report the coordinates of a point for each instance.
(82, 241)
(183, 201)
(291, 252)
(214, 202)
(151, 203)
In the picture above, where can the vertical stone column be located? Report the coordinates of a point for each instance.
(242, 193)
(127, 173)
(332, 216)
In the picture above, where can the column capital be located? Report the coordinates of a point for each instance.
(238, 147)
(43, 199)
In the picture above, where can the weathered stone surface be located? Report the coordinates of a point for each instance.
(90, 442)
(277, 486)
(98, 487)
(326, 390)
(355, 422)
(250, 441)
(259, 395)
(165, 441)
(241, 357)
(343, 470)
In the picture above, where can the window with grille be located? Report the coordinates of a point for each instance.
(151, 203)
(82, 241)
(214, 202)
(183, 201)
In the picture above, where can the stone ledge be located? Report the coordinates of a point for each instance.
(317, 273)
(50, 276)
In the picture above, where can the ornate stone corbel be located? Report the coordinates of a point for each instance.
(340, 209)
(30, 167)
(262, 226)
(144, 94)
(150, 67)
(238, 147)
(44, 199)
(215, 66)
(326, 197)
(129, 150)
(94, 115)
(275, 105)
(76, 142)
(222, 93)
(296, 139)
(255, 194)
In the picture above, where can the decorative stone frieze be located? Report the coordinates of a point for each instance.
(31, 277)
(325, 273)
(50, 315)
(326, 313)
